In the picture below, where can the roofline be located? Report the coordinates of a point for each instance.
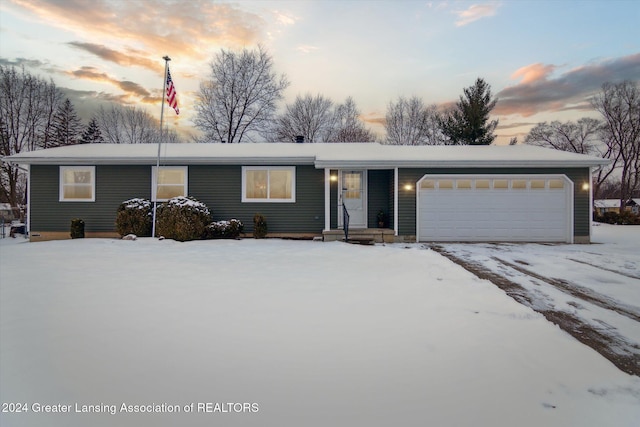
(307, 160)
(289, 160)
(442, 164)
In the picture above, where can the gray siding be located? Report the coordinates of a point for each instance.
(407, 199)
(114, 184)
(219, 187)
(379, 197)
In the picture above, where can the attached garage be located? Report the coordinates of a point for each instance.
(501, 208)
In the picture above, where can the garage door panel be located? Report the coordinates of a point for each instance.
(528, 208)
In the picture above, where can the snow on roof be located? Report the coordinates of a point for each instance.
(322, 155)
(607, 203)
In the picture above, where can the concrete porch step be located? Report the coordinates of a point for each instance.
(377, 235)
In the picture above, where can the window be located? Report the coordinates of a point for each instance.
(482, 184)
(428, 184)
(537, 184)
(519, 184)
(170, 182)
(445, 184)
(463, 184)
(269, 184)
(352, 182)
(77, 183)
(556, 183)
(501, 184)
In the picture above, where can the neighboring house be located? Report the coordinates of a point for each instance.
(8, 213)
(428, 193)
(613, 205)
(633, 205)
(606, 205)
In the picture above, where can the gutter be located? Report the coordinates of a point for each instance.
(165, 161)
(442, 164)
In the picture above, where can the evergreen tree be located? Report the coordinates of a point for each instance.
(468, 123)
(66, 125)
(92, 133)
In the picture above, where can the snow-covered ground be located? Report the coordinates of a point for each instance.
(303, 333)
(597, 286)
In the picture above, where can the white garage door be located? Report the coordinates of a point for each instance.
(506, 208)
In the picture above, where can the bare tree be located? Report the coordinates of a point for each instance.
(410, 122)
(348, 126)
(619, 105)
(27, 104)
(576, 137)
(127, 125)
(308, 116)
(583, 137)
(240, 97)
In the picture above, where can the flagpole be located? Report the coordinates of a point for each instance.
(164, 90)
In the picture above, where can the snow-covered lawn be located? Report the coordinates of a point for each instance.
(306, 333)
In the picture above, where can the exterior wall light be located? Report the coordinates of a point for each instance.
(334, 178)
(585, 186)
(408, 187)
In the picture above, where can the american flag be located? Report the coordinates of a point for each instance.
(171, 93)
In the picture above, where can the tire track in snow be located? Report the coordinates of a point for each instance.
(579, 292)
(611, 345)
(631, 276)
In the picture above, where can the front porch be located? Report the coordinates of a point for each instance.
(377, 235)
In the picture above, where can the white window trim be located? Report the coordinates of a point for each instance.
(91, 169)
(154, 180)
(292, 169)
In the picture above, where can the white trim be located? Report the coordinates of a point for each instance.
(63, 169)
(591, 206)
(395, 201)
(292, 169)
(154, 181)
(569, 193)
(327, 199)
(28, 230)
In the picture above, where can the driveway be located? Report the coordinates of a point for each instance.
(590, 291)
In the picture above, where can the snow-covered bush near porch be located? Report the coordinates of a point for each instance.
(134, 216)
(224, 229)
(182, 218)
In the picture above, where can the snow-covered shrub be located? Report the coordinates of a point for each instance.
(259, 226)
(182, 218)
(77, 228)
(134, 216)
(224, 229)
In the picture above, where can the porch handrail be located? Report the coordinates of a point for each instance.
(345, 222)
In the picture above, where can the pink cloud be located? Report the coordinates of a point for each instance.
(533, 72)
(158, 26)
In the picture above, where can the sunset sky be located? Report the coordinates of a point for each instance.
(543, 59)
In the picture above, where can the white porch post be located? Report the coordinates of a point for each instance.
(327, 199)
(28, 213)
(395, 201)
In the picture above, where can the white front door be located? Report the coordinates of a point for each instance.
(353, 195)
